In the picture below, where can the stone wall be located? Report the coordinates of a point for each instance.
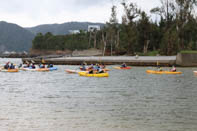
(89, 52)
(186, 59)
(49, 52)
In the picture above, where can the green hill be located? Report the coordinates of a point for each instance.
(14, 37)
(61, 29)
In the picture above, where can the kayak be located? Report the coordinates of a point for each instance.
(89, 69)
(71, 71)
(27, 69)
(38, 69)
(52, 68)
(42, 69)
(122, 68)
(162, 72)
(93, 75)
(9, 70)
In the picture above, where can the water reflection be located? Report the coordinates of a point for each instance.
(126, 101)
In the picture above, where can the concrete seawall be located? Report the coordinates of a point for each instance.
(110, 60)
(186, 60)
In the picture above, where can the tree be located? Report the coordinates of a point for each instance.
(113, 29)
(185, 11)
(131, 13)
(167, 14)
(144, 32)
(37, 42)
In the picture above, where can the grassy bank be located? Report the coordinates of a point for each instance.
(150, 53)
(188, 51)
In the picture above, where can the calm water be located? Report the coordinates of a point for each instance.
(126, 101)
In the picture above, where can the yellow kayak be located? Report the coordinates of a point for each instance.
(162, 72)
(93, 75)
(9, 70)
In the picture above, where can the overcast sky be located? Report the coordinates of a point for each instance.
(27, 13)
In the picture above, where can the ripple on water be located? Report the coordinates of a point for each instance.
(126, 101)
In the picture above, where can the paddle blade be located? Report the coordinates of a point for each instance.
(43, 61)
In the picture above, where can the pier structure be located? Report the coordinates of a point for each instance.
(108, 60)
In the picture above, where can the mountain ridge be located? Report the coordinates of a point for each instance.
(62, 29)
(16, 38)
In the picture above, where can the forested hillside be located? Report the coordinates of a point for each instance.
(14, 38)
(61, 29)
(174, 31)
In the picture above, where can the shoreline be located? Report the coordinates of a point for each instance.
(180, 60)
(109, 60)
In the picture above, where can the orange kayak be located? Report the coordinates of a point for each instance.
(42, 69)
(9, 70)
(162, 72)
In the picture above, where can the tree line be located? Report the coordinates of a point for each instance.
(175, 30)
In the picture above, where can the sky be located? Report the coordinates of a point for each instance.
(29, 13)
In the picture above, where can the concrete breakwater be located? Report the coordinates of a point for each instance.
(187, 59)
(109, 60)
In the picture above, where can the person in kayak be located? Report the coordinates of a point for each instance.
(6, 66)
(159, 68)
(42, 66)
(91, 67)
(28, 65)
(96, 67)
(173, 69)
(83, 66)
(12, 66)
(123, 65)
(20, 66)
(91, 71)
(102, 66)
(100, 70)
(33, 66)
(50, 66)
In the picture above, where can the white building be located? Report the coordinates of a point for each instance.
(6, 52)
(13, 52)
(93, 27)
(74, 31)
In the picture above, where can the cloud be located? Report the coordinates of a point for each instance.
(33, 12)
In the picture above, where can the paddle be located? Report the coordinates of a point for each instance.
(43, 61)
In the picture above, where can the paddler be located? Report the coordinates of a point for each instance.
(12, 66)
(173, 69)
(99, 70)
(91, 71)
(159, 68)
(6, 66)
(124, 65)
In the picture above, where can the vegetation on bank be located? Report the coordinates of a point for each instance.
(175, 30)
(188, 52)
(60, 42)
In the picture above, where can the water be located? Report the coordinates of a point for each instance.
(126, 101)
